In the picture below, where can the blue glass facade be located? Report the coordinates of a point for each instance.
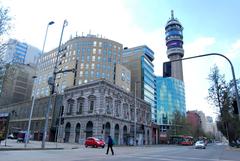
(15, 52)
(170, 98)
(148, 85)
(20, 54)
(139, 61)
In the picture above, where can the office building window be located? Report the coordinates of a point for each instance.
(94, 50)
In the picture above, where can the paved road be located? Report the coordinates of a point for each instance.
(154, 153)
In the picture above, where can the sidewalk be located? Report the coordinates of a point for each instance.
(36, 145)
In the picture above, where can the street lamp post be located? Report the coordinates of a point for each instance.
(135, 115)
(44, 42)
(26, 138)
(51, 83)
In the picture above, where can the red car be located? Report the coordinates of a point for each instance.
(94, 142)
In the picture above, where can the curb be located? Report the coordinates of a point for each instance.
(21, 149)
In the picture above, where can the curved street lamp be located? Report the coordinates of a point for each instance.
(44, 42)
(232, 69)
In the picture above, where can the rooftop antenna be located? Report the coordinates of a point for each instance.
(172, 14)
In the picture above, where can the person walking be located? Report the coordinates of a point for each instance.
(110, 145)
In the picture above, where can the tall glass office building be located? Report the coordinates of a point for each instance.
(139, 61)
(170, 98)
(16, 52)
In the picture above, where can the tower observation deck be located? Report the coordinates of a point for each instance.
(174, 43)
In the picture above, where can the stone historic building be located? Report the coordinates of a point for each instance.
(100, 108)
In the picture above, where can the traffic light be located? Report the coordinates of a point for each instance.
(167, 69)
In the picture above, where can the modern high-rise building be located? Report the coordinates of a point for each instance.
(170, 88)
(16, 52)
(93, 57)
(170, 98)
(16, 83)
(139, 61)
(174, 42)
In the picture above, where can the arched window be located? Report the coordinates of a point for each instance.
(117, 108)
(91, 103)
(109, 104)
(67, 132)
(80, 105)
(125, 111)
(89, 129)
(70, 106)
(77, 132)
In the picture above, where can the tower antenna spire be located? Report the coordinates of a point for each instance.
(172, 14)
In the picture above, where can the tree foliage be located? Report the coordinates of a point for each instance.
(5, 20)
(180, 125)
(223, 96)
(5, 26)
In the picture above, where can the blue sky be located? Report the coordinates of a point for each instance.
(209, 26)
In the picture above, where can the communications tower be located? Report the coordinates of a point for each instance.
(174, 43)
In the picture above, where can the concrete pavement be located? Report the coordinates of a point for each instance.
(72, 152)
(36, 145)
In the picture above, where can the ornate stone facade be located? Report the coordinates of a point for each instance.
(99, 109)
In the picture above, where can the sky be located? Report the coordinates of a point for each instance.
(209, 27)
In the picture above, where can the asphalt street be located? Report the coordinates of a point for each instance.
(213, 152)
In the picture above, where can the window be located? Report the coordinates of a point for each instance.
(94, 51)
(91, 107)
(93, 66)
(80, 103)
(91, 103)
(79, 82)
(109, 105)
(81, 74)
(117, 108)
(93, 58)
(132, 113)
(70, 106)
(125, 111)
(99, 51)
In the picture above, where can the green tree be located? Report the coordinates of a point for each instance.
(5, 26)
(180, 125)
(222, 95)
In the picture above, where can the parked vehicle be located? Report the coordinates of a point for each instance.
(94, 142)
(235, 144)
(11, 136)
(200, 144)
(21, 136)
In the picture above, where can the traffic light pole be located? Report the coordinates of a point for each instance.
(232, 68)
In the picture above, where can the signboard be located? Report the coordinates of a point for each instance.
(4, 120)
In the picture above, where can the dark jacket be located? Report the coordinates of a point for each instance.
(110, 140)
